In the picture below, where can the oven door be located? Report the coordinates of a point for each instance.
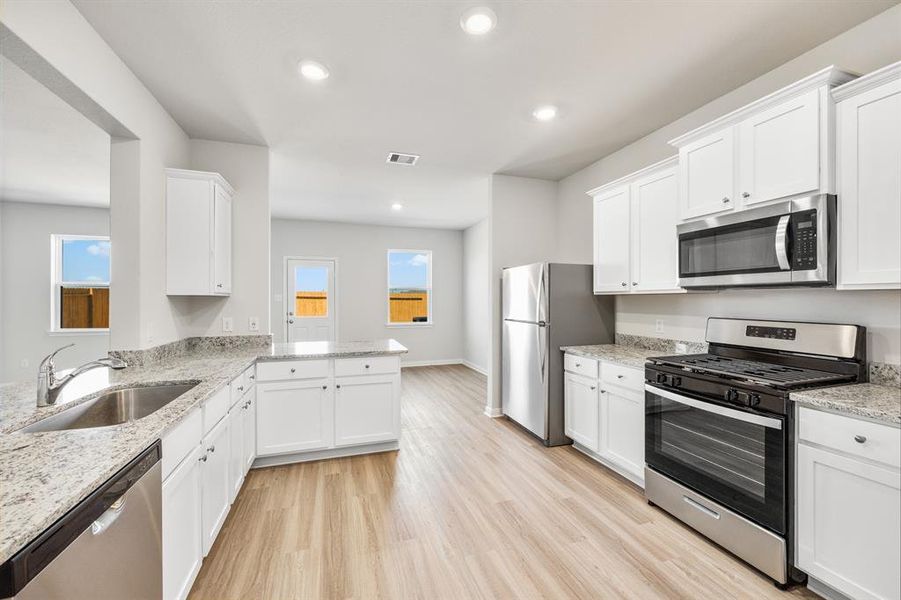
(734, 457)
(747, 248)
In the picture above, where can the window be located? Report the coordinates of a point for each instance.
(311, 292)
(80, 272)
(409, 287)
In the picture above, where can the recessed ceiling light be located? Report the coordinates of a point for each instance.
(312, 70)
(397, 206)
(545, 113)
(478, 21)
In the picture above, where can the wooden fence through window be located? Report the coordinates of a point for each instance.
(84, 308)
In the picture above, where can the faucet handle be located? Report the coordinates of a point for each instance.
(48, 360)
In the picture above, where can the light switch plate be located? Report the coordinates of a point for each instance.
(228, 324)
(253, 324)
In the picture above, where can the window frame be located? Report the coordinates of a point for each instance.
(431, 320)
(56, 283)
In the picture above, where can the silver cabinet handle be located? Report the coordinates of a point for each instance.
(860, 439)
(212, 448)
(367, 366)
(240, 388)
(578, 364)
(290, 321)
(620, 376)
(338, 387)
(624, 284)
(253, 377)
(293, 370)
(726, 200)
(602, 391)
(634, 283)
(202, 458)
(745, 195)
(325, 387)
(594, 387)
(218, 285)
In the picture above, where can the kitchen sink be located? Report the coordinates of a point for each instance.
(113, 408)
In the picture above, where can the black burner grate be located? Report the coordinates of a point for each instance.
(761, 372)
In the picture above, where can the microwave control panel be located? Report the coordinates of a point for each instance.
(804, 240)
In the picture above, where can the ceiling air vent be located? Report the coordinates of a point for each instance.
(402, 159)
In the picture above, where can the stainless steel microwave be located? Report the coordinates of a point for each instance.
(787, 243)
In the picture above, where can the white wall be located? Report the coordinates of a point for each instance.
(523, 230)
(476, 295)
(246, 168)
(362, 281)
(864, 48)
(25, 256)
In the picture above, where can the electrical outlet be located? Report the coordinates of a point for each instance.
(658, 326)
(228, 324)
(253, 324)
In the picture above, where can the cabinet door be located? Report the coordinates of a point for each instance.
(222, 242)
(622, 428)
(214, 482)
(849, 523)
(294, 416)
(655, 252)
(707, 175)
(779, 150)
(611, 241)
(250, 428)
(182, 529)
(869, 189)
(580, 417)
(367, 409)
(235, 450)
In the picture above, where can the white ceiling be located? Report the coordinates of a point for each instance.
(406, 78)
(50, 152)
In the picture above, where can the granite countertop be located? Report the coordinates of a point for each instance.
(866, 400)
(43, 475)
(627, 356)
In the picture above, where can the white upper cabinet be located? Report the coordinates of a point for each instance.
(779, 146)
(635, 244)
(707, 169)
(611, 241)
(869, 180)
(779, 150)
(198, 233)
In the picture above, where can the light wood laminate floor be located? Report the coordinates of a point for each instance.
(470, 507)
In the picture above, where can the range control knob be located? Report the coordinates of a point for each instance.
(730, 395)
(662, 378)
(675, 381)
(753, 400)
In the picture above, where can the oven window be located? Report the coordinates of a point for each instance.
(736, 462)
(742, 248)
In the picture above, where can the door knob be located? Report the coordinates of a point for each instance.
(290, 321)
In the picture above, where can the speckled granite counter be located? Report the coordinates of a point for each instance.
(43, 475)
(876, 402)
(628, 356)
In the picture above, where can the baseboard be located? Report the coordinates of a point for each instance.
(432, 363)
(493, 412)
(296, 457)
(824, 590)
(475, 367)
(639, 481)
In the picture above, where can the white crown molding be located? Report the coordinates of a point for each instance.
(203, 175)
(672, 161)
(867, 82)
(831, 77)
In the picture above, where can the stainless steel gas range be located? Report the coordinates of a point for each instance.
(719, 430)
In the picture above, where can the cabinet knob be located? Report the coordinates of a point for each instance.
(212, 448)
(620, 376)
(578, 364)
(218, 285)
(745, 194)
(338, 387)
(244, 407)
(240, 388)
(325, 387)
(252, 377)
(293, 370)
(202, 458)
(860, 439)
(634, 283)
(726, 200)
(624, 284)
(367, 366)
(594, 387)
(602, 391)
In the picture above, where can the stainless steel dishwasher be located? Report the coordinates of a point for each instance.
(108, 547)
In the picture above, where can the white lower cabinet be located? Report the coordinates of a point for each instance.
(849, 504)
(214, 482)
(250, 428)
(367, 409)
(235, 450)
(294, 416)
(607, 419)
(182, 542)
(581, 409)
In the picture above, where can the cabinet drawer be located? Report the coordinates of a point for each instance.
(366, 366)
(627, 377)
(880, 443)
(250, 377)
(214, 409)
(580, 365)
(237, 387)
(180, 440)
(286, 370)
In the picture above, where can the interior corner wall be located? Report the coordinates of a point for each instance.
(246, 168)
(523, 230)
(476, 307)
(864, 48)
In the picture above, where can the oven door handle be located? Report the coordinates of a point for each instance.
(768, 422)
(782, 242)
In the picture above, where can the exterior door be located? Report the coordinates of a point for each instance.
(310, 300)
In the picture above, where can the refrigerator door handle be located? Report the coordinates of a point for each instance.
(542, 351)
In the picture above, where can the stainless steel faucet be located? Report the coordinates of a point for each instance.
(49, 386)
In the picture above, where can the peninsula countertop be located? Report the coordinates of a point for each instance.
(43, 475)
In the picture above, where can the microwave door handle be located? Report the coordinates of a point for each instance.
(782, 242)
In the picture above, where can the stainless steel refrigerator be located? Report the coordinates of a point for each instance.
(546, 306)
